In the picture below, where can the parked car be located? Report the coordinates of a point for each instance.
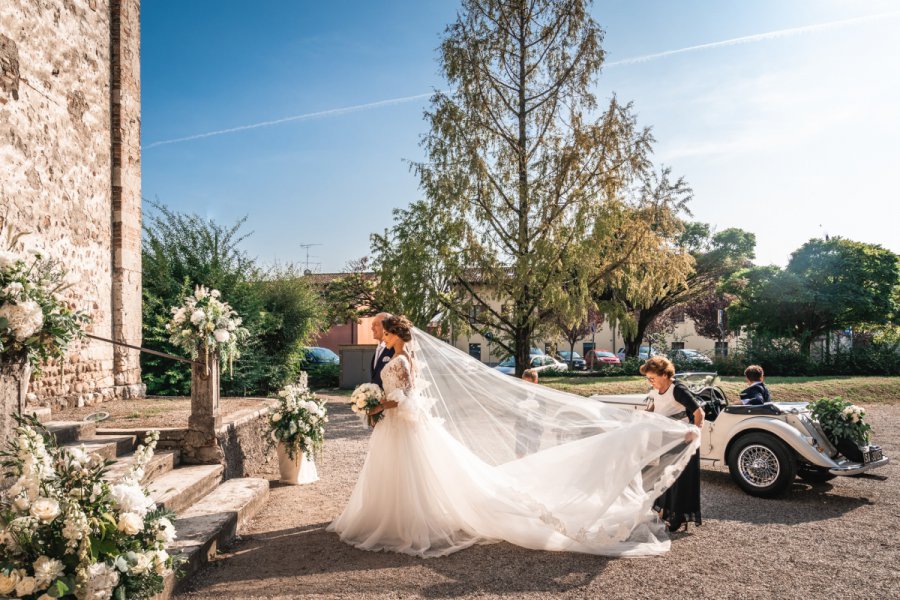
(595, 359)
(315, 356)
(764, 447)
(539, 363)
(689, 355)
(573, 359)
(644, 352)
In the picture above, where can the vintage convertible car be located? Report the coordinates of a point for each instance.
(765, 446)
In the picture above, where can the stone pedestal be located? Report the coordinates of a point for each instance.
(13, 389)
(200, 444)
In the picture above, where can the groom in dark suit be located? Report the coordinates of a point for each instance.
(383, 354)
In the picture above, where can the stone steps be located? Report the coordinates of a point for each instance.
(109, 447)
(212, 523)
(70, 431)
(162, 462)
(180, 488)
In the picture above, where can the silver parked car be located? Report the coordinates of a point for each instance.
(766, 446)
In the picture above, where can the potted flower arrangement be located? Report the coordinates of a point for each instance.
(297, 425)
(843, 423)
(206, 326)
(66, 532)
(35, 323)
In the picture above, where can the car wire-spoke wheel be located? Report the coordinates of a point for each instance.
(758, 465)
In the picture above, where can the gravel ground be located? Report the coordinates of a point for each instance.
(837, 540)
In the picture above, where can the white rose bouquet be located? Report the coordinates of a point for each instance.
(841, 419)
(299, 419)
(35, 323)
(204, 323)
(363, 399)
(65, 532)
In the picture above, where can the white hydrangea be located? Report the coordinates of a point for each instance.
(97, 582)
(198, 316)
(24, 318)
(222, 335)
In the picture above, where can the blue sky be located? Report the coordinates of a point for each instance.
(789, 136)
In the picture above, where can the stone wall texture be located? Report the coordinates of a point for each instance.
(70, 174)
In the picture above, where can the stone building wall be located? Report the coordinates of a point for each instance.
(70, 173)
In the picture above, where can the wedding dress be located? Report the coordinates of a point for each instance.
(441, 472)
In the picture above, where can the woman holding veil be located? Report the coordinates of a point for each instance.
(441, 473)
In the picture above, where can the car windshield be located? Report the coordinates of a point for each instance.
(605, 354)
(569, 355)
(509, 361)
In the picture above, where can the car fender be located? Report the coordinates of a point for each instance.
(783, 431)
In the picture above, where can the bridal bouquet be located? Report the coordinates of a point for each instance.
(841, 419)
(364, 398)
(204, 323)
(65, 532)
(299, 420)
(35, 323)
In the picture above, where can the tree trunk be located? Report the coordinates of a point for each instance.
(523, 351)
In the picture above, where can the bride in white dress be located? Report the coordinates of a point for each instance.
(441, 474)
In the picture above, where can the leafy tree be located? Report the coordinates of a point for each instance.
(180, 251)
(665, 285)
(575, 329)
(522, 184)
(704, 312)
(827, 285)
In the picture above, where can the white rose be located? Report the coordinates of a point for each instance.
(166, 531)
(25, 587)
(130, 523)
(8, 581)
(47, 570)
(21, 503)
(140, 563)
(221, 335)
(198, 316)
(45, 509)
(276, 417)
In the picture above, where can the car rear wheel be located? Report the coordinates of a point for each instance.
(762, 465)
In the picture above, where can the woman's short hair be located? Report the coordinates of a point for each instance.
(399, 326)
(658, 365)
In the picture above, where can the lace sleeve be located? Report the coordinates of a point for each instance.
(408, 406)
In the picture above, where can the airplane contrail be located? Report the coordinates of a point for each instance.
(304, 117)
(757, 37)
(747, 39)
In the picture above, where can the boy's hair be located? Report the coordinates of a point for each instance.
(530, 375)
(754, 373)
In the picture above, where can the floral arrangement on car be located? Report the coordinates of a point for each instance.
(841, 420)
(298, 421)
(35, 323)
(66, 532)
(363, 399)
(204, 324)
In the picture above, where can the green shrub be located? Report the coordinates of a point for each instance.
(324, 376)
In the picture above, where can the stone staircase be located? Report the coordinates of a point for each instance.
(210, 512)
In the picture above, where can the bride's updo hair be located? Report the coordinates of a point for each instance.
(399, 326)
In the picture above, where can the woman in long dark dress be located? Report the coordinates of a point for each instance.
(680, 504)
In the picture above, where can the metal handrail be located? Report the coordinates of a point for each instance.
(147, 350)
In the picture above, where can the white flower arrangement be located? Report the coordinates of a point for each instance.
(298, 421)
(363, 399)
(67, 533)
(35, 323)
(204, 324)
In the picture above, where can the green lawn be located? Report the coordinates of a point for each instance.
(863, 390)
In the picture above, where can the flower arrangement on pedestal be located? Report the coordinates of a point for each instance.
(35, 323)
(65, 532)
(204, 324)
(298, 421)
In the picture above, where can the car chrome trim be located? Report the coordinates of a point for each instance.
(856, 468)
